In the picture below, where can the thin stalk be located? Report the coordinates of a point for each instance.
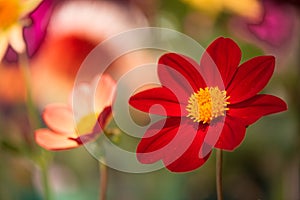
(45, 181)
(219, 160)
(103, 180)
(32, 112)
(34, 122)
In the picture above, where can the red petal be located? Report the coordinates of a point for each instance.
(188, 77)
(152, 146)
(177, 143)
(190, 159)
(250, 78)
(256, 107)
(220, 62)
(188, 162)
(52, 141)
(213, 132)
(175, 82)
(59, 118)
(232, 135)
(154, 99)
(162, 139)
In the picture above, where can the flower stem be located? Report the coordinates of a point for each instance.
(219, 159)
(32, 112)
(45, 180)
(103, 180)
(34, 122)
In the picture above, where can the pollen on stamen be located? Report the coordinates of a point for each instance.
(207, 104)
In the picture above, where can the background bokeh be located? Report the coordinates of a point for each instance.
(62, 33)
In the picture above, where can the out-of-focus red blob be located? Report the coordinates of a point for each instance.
(75, 28)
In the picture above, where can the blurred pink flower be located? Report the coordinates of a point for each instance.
(276, 26)
(14, 17)
(276, 33)
(63, 132)
(36, 31)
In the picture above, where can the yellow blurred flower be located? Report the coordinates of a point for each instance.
(248, 8)
(12, 20)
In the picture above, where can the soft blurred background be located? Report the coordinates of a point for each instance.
(63, 32)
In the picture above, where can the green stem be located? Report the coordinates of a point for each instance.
(45, 179)
(32, 112)
(219, 160)
(34, 122)
(103, 180)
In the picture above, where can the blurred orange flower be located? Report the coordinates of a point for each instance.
(75, 28)
(64, 132)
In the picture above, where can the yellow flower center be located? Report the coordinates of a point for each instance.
(10, 11)
(207, 104)
(86, 124)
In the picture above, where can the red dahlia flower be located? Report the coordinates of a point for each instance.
(207, 105)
